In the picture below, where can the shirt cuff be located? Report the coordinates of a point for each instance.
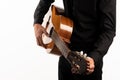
(37, 21)
(96, 56)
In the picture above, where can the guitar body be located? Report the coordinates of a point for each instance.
(63, 26)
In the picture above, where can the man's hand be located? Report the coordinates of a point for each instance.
(39, 30)
(90, 65)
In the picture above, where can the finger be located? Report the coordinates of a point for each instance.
(88, 59)
(45, 33)
(39, 39)
(38, 42)
(90, 67)
(89, 71)
(41, 42)
(88, 63)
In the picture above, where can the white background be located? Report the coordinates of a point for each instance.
(22, 59)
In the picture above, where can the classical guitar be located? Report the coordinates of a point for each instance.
(60, 37)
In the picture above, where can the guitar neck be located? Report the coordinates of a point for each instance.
(59, 43)
(77, 61)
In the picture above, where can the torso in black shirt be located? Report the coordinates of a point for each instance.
(84, 13)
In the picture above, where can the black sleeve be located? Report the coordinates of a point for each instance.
(107, 14)
(41, 10)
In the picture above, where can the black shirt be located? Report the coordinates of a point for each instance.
(94, 24)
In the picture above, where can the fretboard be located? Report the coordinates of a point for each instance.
(59, 43)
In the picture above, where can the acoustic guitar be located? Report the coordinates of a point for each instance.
(60, 32)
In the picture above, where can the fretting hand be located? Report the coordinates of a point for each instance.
(90, 65)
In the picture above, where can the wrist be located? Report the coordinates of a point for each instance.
(36, 26)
